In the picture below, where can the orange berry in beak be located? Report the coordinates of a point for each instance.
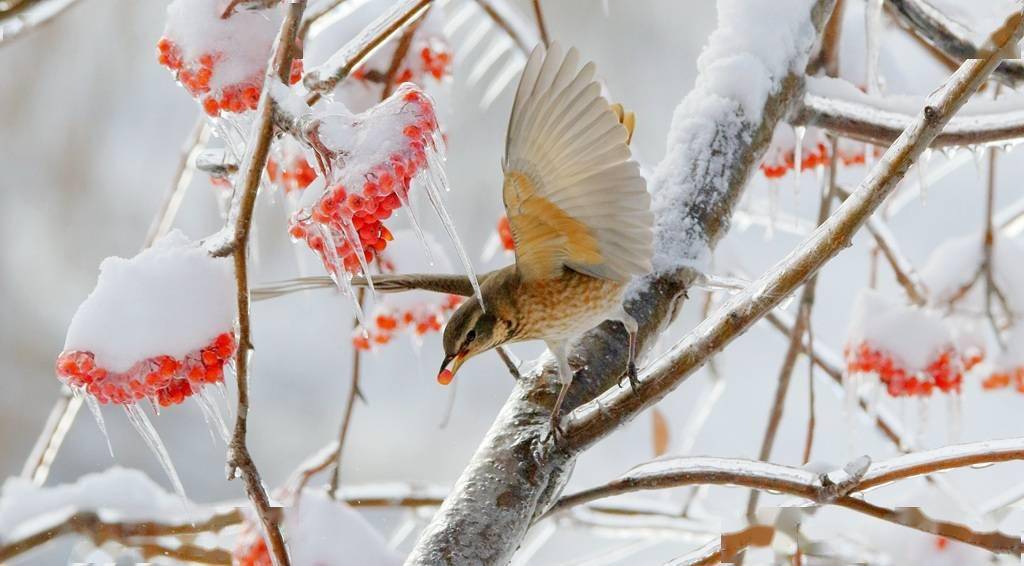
(445, 377)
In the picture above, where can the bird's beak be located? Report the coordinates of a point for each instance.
(445, 375)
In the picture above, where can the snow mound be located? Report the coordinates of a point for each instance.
(956, 262)
(169, 300)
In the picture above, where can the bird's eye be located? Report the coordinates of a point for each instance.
(470, 336)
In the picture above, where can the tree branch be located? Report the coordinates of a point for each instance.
(597, 420)
(949, 37)
(23, 16)
(239, 459)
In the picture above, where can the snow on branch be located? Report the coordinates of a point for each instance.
(596, 420)
(840, 107)
(832, 488)
(950, 37)
(19, 17)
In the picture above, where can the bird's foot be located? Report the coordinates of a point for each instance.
(630, 373)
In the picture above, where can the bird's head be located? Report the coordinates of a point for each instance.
(470, 331)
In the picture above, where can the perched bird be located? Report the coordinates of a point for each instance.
(580, 217)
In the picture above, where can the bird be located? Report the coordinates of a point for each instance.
(580, 217)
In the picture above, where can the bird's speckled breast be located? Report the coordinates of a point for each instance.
(562, 308)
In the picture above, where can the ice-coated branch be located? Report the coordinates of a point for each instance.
(948, 36)
(89, 524)
(19, 17)
(593, 422)
(324, 78)
(852, 114)
(821, 488)
(239, 459)
(719, 132)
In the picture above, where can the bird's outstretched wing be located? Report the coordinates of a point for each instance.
(573, 196)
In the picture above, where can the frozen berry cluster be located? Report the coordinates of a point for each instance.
(197, 75)
(164, 379)
(944, 373)
(1003, 379)
(348, 214)
(431, 58)
(294, 175)
(419, 320)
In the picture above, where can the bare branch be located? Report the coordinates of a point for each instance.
(239, 459)
(521, 37)
(350, 404)
(948, 37)
(542, 28)
(314, 14)
(594, 422)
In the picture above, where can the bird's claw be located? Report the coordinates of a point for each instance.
(630, 373)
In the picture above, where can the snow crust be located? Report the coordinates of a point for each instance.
(171, 299)
(328, 532)
(244, 40)
(755, 46)
(120, 494)
(911, 335)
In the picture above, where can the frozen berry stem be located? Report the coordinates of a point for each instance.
(262, 132)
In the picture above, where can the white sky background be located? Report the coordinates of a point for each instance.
(90, 131)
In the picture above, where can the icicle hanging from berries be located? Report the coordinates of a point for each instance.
(414, 312)
(220, 61)
(427, 61)
(158, 326)
(288, 168)
(782, 157)
(370, 162)
(321, 530)
(910, 350)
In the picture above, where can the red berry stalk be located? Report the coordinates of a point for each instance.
(163, 379)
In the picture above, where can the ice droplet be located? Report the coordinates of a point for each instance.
(149, 434)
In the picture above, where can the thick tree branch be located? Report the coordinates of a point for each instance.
(597, 420)
(514, 475)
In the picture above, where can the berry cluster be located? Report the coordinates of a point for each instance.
(780, 158)
(944, 372)
(1002, 380)
(196, 75)
(434, 60)
(420, 320)
(346, 213)
(163, 379)
(508, 243)
(251, 549)
(296, 175)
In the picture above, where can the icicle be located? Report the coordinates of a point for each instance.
(979, 154)
(922, 175)
(873, 34)
(851, 385)
(149, 434)
(94, 407)
(955, 407)
(922, 421)
(449, 226)
(212, 414)
(798, 156)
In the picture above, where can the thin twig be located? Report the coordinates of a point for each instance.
(324, 78)
(818, 489)
(542, 28)
(239, 459)
(502, 22)
(796, 339)
(506, 358)
(597, 419)
(401, 50)
(28, 15)
(191, 148)
(350, 404)
(315, 14)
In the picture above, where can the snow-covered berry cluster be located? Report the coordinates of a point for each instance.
(158, 326)
(165, 380)
(376, 154)
(220, 61)
(911, 350)
(781, 157)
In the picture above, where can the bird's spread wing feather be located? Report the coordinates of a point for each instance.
(573, 196)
